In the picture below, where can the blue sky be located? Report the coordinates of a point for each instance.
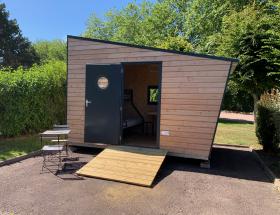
(54, 19)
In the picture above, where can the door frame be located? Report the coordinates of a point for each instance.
(159, 63)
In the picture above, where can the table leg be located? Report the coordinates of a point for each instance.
(44, 161)
(59, 154)
(66, 145)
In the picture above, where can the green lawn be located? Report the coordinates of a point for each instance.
(227, 133)
(236, 133)
(14, 147)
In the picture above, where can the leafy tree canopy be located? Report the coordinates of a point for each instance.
(50, 50)
(157, 25)
(203, 18)
(165, 21)
(253, 36)
(15, 49)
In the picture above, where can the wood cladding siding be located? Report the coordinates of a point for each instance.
(192, 92)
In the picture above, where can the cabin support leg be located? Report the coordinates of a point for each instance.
(205, 164)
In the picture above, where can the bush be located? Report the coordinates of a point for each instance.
(267, 127)
(32, 99)
(276, 119)
(50, 50)
(237, 100)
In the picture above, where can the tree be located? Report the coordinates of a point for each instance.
(188, 23)
(15, 49)
(120, 25)
(50, 50)
(204, 18)
(253, 36)
(156, 25)
(176, 43)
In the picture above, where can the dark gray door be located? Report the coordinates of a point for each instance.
(103, 103)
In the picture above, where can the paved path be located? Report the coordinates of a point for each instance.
(237, 116)
(235, 184)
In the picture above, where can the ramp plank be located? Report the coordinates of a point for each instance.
(127, 164)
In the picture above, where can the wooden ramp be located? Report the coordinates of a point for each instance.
(125, 164)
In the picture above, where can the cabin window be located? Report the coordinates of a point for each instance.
(103, 83)
(153, 95)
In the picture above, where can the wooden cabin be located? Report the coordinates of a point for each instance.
(123, 94)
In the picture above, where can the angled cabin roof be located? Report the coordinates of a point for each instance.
(157, 49)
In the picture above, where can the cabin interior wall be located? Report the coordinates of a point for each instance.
(138, 77)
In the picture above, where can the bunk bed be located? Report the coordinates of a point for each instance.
(131, 115)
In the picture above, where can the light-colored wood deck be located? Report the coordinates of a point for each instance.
(127, 164)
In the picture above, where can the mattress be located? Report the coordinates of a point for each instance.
(131, 122)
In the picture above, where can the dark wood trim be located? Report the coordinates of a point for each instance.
(209, 156)
(66, 110)
(159, 103)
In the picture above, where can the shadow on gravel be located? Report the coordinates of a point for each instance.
(229, 162)
(226, 162)
(77, 160)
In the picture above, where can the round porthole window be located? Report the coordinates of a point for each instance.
(103, 83)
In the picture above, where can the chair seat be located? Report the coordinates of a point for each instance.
(48, 137)
(52, 148)
(62, 140)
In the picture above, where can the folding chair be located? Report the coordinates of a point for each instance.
(50, 154)
(64, 141)
(53, 152)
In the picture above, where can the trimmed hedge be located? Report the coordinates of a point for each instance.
(32, 99)
(268, 119)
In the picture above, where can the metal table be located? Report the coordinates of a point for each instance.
(54, 134)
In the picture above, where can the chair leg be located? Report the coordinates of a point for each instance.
(67, 148)
(59, 163)
(44, 161)
(55, 159)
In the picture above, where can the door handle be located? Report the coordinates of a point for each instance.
(87, 102)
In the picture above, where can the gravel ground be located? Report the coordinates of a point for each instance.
(235, 184)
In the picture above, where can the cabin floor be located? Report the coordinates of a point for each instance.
(138, 137)
(140, 140)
